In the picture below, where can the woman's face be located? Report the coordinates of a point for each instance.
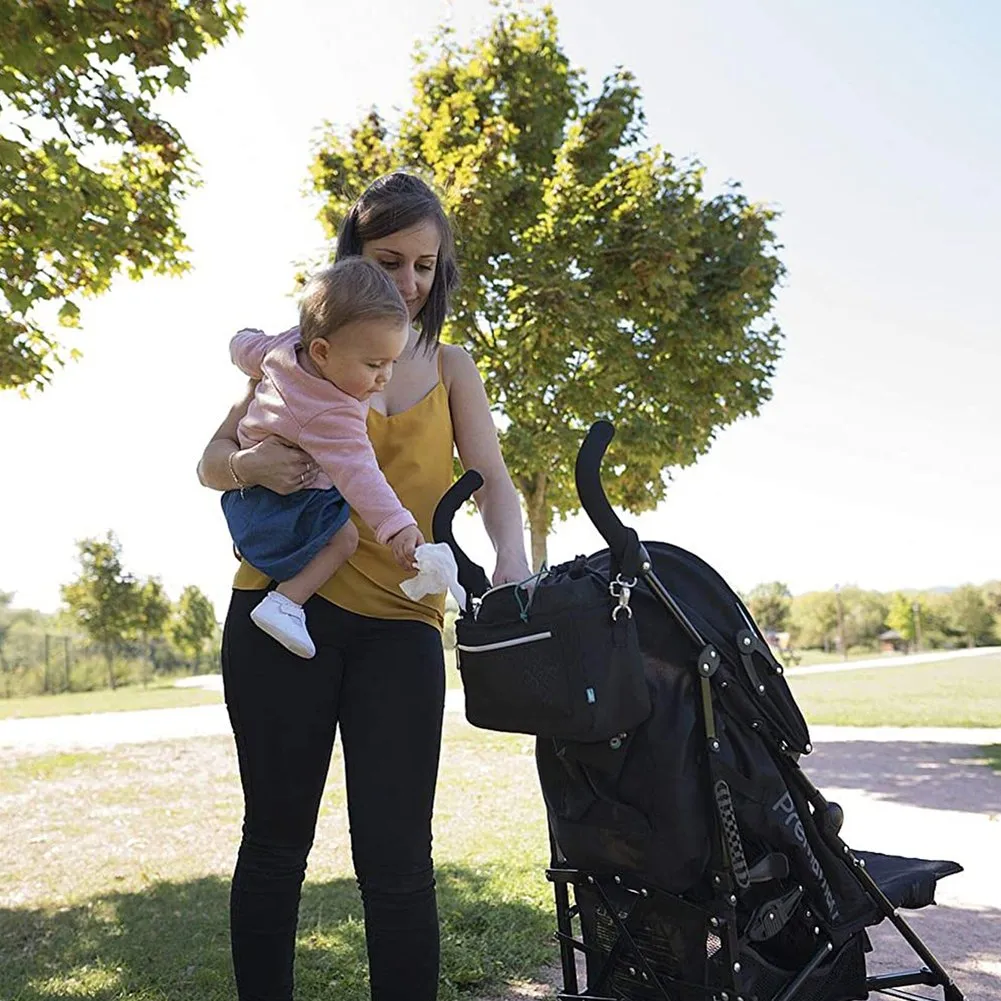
(410, 256)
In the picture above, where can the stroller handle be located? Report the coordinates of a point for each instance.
(471, 576)
(587, 474)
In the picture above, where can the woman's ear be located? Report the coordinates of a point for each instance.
(319, 351)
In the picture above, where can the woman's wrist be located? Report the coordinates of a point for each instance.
(512, 564)
(239, 478)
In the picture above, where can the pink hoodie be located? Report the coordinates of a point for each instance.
(315, 415)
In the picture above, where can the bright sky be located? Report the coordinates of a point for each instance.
(876, 128)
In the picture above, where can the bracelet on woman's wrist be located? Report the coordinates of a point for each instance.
(241, 485)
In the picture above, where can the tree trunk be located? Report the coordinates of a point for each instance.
(110, 658)
(540, 516)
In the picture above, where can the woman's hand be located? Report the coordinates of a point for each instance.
(511, 568)
(274, 464)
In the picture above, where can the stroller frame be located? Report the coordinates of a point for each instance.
(719, 915)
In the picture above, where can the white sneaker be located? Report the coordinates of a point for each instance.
(284, 620)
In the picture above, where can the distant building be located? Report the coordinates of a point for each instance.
(892, 642)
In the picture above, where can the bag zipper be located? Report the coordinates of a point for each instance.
(504, 644)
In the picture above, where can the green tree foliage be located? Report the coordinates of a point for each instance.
(813, 619)
(992, 598)
(770, 605)
(193, 624)
(601, 281)
(7, 619)
(970, 615)
(105, 598)
(91, 176)
(152, 615)
(864, 616)
(901, 616)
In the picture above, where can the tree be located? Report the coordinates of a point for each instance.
(814, 618)
(152, 614)
(91, 176)
(864, 616)
(971, 617)
(602, 281)
(901, 617)
(770, 605)
(105, 598)
(7, 619)
(193, 624)
(991, 592)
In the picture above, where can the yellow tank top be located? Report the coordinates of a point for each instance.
(414, 449)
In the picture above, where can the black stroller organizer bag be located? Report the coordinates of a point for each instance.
(691, 857)
(555, 658)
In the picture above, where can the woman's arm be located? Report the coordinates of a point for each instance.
(476, 440)
(270, 463)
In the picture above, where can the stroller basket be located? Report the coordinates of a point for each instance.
(692, 859)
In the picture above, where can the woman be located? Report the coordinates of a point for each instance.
(378, 673)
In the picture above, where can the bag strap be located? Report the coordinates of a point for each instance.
(628, 566)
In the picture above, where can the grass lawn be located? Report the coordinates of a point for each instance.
(947, 693)
(104, 700)
(114, 871)
(452, 677)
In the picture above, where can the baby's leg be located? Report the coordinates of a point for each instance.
(280, 613)
(322, 566)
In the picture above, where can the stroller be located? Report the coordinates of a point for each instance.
(691, 857)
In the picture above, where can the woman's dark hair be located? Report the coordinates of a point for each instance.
(398, 201)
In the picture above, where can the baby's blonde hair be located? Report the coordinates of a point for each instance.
(353, 289)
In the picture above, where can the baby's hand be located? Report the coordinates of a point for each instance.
(403, 545)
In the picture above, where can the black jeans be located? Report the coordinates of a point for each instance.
(383, 684)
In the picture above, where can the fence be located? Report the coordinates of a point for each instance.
(36, 663)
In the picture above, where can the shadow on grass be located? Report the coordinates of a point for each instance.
(935, 776)
(171, 943)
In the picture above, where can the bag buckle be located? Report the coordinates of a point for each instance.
(621, 589)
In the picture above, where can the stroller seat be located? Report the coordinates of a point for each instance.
(691, 857)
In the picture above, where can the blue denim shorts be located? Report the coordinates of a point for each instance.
(279, 535)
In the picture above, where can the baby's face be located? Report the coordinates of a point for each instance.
(360, 356)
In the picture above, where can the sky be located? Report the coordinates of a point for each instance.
(875, 129)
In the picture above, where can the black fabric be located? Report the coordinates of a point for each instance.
(382, 684)
(644, 807)
(552, 661)
(907, 882)
(721, 617)
(653, 807)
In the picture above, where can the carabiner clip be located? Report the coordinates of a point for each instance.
(621, 590)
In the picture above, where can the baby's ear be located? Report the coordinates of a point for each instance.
(318, 350)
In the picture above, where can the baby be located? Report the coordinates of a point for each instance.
(315, 382)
